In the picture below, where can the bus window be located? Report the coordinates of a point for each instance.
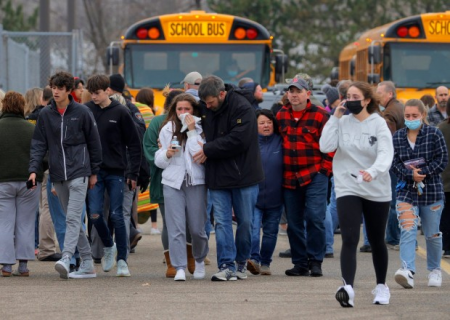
(155, 61)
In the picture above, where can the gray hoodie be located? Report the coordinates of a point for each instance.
(360, 145)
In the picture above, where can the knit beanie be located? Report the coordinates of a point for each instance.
(331, 93)
(116, 82)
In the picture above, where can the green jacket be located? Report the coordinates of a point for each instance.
(15, 141)
(150, 146)
(444, 126)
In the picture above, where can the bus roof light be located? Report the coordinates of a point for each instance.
(240, 33)
(153, 33)
(414, 32)
(402, 32)
(252, 34)
(141, 33)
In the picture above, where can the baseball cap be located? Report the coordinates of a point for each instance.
(192, 78)
(299, 84)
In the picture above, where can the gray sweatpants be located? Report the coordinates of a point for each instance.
(188, 203)
(72, 196)
(96, 242)
(18, 207)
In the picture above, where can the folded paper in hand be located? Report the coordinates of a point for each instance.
(183, 122)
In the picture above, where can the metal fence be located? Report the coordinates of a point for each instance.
(28, 59)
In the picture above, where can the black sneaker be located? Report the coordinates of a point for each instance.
(285, 254)
(329, 255)
(316, 268)
(297, 271)
(365, 248)
(446, 254)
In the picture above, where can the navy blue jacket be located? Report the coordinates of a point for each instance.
(270, 190)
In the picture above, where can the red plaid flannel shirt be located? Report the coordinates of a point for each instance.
(302, 158)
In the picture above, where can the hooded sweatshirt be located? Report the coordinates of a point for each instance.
(365, 145)
(117, 133)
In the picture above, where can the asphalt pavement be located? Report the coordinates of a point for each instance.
(147, 294)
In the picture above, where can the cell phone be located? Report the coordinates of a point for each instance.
(30, 184)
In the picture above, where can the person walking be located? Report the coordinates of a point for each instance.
(420, 158)
(233, 171)
(18, 202)
(269, 205)
(68, 132)
(183, 185)
(364, 152)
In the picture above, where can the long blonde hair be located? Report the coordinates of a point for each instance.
(33, 98)
(2, 95)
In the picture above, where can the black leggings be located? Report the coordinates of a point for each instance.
(350, 210)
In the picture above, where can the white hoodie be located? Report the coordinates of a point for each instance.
(175, 168)
(365, 145)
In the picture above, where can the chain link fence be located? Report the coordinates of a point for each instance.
(28, 59)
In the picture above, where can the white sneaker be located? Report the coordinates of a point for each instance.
(154, 231)
(199, 272)
(122, 269)
(63, 267)
(85, 271)
(405, 278)
(381, 293)
(345, 295)
(181, 275)
(109, 258)
(435, 278)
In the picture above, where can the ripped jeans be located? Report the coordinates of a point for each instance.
(408, 220)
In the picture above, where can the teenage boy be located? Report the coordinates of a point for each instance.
(118, 134)
(67, 130)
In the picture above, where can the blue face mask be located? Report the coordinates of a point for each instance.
(232, 73)
(413, 124)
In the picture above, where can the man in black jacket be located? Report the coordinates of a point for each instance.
(233, 171)
(67, 130)
(117, 134)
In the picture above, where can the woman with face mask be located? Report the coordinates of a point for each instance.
(364, 152)
(183, 184)
(420, 157)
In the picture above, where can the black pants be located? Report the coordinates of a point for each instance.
(445, 223)
(350, 210)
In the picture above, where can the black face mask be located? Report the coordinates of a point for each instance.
(354, 106)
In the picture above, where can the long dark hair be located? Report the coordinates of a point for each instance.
(269, 114)
(173, 118)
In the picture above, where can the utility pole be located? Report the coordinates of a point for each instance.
(71, 57)
(44, 43)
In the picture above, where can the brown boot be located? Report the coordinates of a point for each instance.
(190, 257)
(171, 271)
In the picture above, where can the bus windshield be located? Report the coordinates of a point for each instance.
(417, 65)
(156, 65)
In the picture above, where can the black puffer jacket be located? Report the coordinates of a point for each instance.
(72, 141)
(232, 148)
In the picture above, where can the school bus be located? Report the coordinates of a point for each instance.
(163, 49)
(413, 52)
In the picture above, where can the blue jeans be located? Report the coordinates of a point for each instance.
(393, 229)
(270, 219)
(331, 220)
(36, 230)
(243, 201)
(59, 219)
(307, 204)
(431, 217)
(208, 225)
(114, 186)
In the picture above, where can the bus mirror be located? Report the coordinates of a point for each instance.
(373, 78)
(112, 56)
(334, 73)
(281, 63)
(375, 54)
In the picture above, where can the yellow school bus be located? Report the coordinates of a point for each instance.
(163, 49)
(413, 52)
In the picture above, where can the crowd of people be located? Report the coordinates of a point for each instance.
(213, 157)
